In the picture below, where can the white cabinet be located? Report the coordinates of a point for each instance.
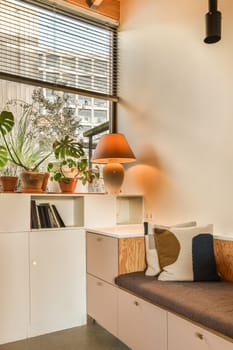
(183, 335)
(141, 325)
(94, 210)
(57, 277)
(102, 256)
(102, 303)
(15, 212)
(14, 290)
(102, 268)
(113, 210)
(106, 258)
(43, 271)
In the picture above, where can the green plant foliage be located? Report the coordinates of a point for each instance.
(3, 156)
(21, 147)
(53, 116)
(67, 147)
(6, 122)
(78, 168)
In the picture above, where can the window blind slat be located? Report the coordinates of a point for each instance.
(46, 45)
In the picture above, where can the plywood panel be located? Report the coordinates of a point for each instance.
(131, 255)
(109, 8)
(224, 258)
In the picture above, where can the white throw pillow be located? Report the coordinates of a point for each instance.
(153, 267)
(175, 251)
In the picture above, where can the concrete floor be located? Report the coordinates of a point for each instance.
(89, 337)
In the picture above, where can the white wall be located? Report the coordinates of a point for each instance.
(176, 110)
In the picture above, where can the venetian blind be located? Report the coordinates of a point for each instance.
(42, 44)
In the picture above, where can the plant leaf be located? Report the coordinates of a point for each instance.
(6, 122)
(3, 156)
(67, 147)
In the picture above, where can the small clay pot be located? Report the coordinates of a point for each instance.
(8, 183)
(68, 187)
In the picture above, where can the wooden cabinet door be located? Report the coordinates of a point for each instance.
(102, 303)
(57, 276)
(14, 290)
(183, 335)
(102, 256)
(141, 325)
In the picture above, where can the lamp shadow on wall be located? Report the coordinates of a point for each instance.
(148, 177)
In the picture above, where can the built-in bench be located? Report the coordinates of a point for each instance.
(147, 314)
(210, 304)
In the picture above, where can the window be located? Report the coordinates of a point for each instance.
(85, 65)
(52, 61)
(69, 63)
(35, 35)
(100, 103)
(84, 101)
(101, 67)
(85, 115)
(61, 52)
(100, 117)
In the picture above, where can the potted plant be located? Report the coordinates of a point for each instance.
(8, 178)
(69, 170)
(22, 149)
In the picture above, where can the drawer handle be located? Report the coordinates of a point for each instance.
(99, 284)
(200, 336)
(99, 239)
(136, 303)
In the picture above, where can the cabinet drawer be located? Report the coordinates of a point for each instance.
(141, 325)
(102, 256)
(183, 335)
(102, 303)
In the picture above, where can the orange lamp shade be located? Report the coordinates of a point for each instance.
(113, 148)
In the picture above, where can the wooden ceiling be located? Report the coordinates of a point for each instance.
(109, 8)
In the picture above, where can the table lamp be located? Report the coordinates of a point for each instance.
(112, 150)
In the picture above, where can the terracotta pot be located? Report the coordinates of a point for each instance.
(45, 182)
(8, 183)
(68, 187)
(31, 181)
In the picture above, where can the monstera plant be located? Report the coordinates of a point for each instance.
(20, 148)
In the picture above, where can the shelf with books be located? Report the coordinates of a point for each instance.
(53, 211)
(81, 210)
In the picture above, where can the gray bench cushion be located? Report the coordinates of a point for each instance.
(208, 303)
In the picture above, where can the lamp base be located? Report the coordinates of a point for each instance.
(113, 174)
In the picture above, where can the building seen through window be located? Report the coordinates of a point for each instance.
(63, 53)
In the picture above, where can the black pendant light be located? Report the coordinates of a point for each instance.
(213, 23)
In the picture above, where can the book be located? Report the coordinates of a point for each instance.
(57, 224)
(52, 217)
(49, 221)
(59, 219)
(35, 220)
(43, 221)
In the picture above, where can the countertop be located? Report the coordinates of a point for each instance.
(119, 231)
(137, 230)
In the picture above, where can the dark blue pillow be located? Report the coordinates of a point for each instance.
(204, 265)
